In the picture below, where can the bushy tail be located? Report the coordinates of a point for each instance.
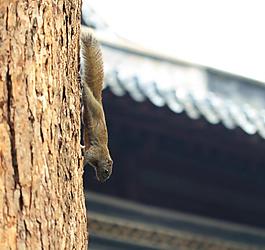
(92, 63)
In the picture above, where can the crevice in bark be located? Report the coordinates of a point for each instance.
(41, 132)
(31, 115)
(34, 26)
(11, 124)
(7, 18)
(41, 240)
(66, 22)
(64, 94)
(39, 5)
(12, 134)
(66, 26)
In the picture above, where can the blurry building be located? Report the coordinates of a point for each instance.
(188, 148)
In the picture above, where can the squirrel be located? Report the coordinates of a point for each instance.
(96, 152)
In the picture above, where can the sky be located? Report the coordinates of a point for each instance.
(225, 34)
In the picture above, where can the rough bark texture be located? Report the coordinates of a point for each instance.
(41, 189)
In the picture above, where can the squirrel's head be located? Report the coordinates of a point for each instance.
(99, 158)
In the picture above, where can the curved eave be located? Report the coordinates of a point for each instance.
(179, 87)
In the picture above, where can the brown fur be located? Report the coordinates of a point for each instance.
(95, 129)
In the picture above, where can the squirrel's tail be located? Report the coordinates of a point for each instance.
(92, 69)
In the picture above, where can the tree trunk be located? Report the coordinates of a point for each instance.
(41, 189)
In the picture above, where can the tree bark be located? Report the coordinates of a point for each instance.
(41, 188)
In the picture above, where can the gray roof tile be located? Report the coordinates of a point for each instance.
(142, 78)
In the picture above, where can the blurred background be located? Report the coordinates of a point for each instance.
(184, 100)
